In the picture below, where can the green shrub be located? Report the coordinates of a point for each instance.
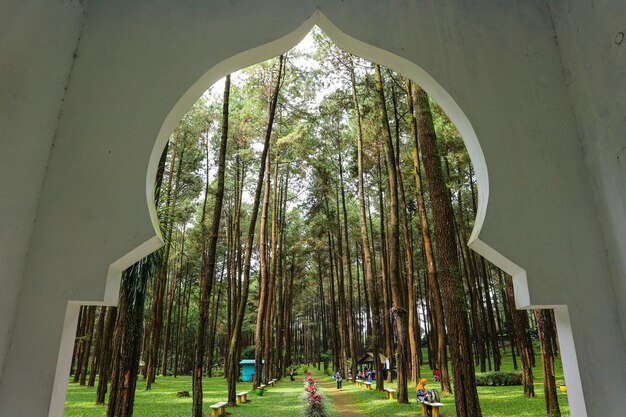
(498, 379)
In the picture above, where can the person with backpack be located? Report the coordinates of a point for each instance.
(338, 378)
(422, 393)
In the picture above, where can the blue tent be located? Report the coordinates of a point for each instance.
(247, 369)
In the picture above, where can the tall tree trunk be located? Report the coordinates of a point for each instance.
(213, 330)
(97, 350)
(384, 275)
(432, 281)
(156, 320)
(466, 396)
(372, 291)
(520, 328)
(259, 376)
(208, 263)
(341, 292)
(399, 306)
(78, 340)
(170, 306)
(348, 265)
(128, 337)
(473, 287)
(234, 341)
(269, 324)
(546, 330)
(104, 370)
(91, 316)
(497, 360)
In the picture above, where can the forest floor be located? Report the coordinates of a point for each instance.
(161, 401)
(341, 402)
(284, 398)
(495, 401)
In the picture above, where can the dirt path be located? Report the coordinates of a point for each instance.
(344, 401)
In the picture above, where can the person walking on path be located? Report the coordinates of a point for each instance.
(291, 374)
(338, 378)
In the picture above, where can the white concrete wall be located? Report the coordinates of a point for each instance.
(37, 43)
(494, 65)
(594, 62)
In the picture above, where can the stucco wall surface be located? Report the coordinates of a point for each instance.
(37, 43)
(593, 47)
(140, 64)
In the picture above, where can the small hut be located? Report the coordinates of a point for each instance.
(247, 369)
(368, 360)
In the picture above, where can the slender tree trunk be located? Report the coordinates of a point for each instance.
(520, 324)
(234, 341)
(384, 275)
(107, 353)
(466, 396)
(436, 312)
(128, 337)
(91, 316)
(546, 330)
(259, 376)
(208, 264)
(97, 350)
(170, 306)
(399, 306)
(368, 264)
(156, 320)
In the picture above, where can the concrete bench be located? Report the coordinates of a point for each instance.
(272, 382)
(390, 393)
(242, 397)
(218, 409)
(349, 380)
(262, 386)
(368, 385)
(358, 382)
(435, 406)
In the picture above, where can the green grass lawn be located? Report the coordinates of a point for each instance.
(161, 401)
(494, 401)
(283, 399)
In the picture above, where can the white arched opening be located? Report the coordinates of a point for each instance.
(390, 60)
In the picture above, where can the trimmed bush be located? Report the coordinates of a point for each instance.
(498, 379)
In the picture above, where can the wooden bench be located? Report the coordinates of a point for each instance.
(368, 385)
(218, 409)
(390, 393)
(358, 382)
(435, 406)
(242, 397)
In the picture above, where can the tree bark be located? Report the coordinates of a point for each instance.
(107, 353)
(234, 341)
(208, 264)
(87, 339)
(399, 307)
(466, 396)
(97, 350)
(367, 262)
(520, 328)
(545, 329)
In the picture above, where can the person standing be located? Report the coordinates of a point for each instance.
(291, 374)
(339, 379)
